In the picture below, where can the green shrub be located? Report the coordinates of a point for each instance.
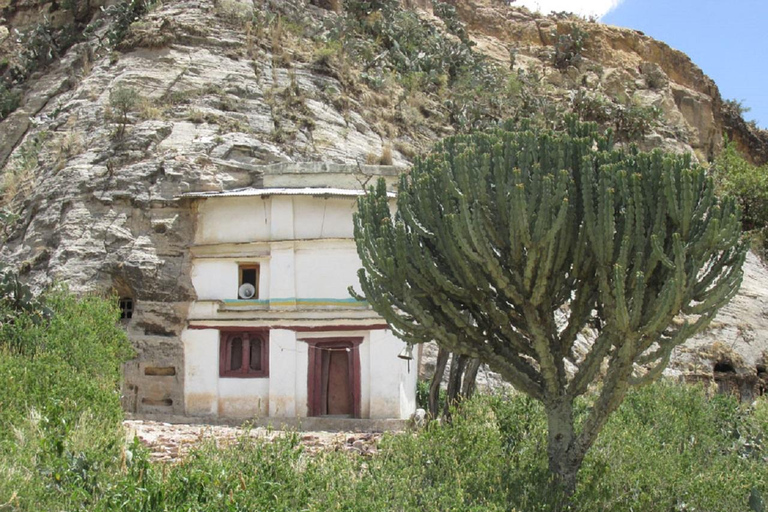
(634, 121)
(450, 17)
(671, 447)
(736, 106)
(121, 15)
(9, 101)
(389, 41)
(748, 183)
(60, 434)
(65, 365)
(668, 448)
(422, 396)
(122, 101)
(17, 303)
(361, 9)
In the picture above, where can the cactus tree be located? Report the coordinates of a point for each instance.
(507, 244)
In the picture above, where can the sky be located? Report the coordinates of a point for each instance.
(727, 40)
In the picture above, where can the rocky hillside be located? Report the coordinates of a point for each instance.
(115, 111)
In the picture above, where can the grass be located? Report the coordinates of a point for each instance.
(668, 447)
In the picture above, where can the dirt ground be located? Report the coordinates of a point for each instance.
(169, 442)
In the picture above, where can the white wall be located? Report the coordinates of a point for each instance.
(387, 388)
(207, 394)
(281, 220)
(201, 371)
(393, 387)
(282, 271)
(215, 279)
(218, 279)
(323, 217)
(233, 219)
(326, 272)
(254, 218)
(243, 398)
(283, 363)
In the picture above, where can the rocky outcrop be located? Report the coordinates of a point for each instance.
(733, 352)
(625, 65)
(196, 99)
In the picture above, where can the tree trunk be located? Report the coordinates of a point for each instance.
(437, 378)
(470, 379)
(565, 455)
(458, 362)
(461, 381)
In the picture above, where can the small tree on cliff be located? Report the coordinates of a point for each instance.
(507, 244)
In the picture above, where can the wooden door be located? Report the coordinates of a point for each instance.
(334, 377)
(336, 383)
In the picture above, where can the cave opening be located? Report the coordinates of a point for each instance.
(724, 367)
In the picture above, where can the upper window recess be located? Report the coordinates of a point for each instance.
(248, 285)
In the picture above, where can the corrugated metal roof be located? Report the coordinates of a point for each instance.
(307, 191)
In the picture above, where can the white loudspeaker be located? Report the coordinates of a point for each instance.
(246, 291)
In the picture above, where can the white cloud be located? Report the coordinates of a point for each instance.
(596, 8)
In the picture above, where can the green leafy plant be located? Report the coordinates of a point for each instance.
(635, 121)
(747, 182)
(393, 44)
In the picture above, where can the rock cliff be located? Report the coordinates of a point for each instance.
(214, 94)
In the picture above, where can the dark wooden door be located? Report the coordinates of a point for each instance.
(336, 383)
(334, 377)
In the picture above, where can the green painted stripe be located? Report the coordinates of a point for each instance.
(325, 302)
(248, 302)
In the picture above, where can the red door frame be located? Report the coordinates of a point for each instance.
(315, 374)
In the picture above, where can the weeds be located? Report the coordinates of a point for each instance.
(384, 159)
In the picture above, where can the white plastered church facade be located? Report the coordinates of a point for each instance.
(274, 332)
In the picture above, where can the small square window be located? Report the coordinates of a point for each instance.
(248, 282)
(244, 354)
(126, 308)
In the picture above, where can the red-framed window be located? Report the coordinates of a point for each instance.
(244, 354)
